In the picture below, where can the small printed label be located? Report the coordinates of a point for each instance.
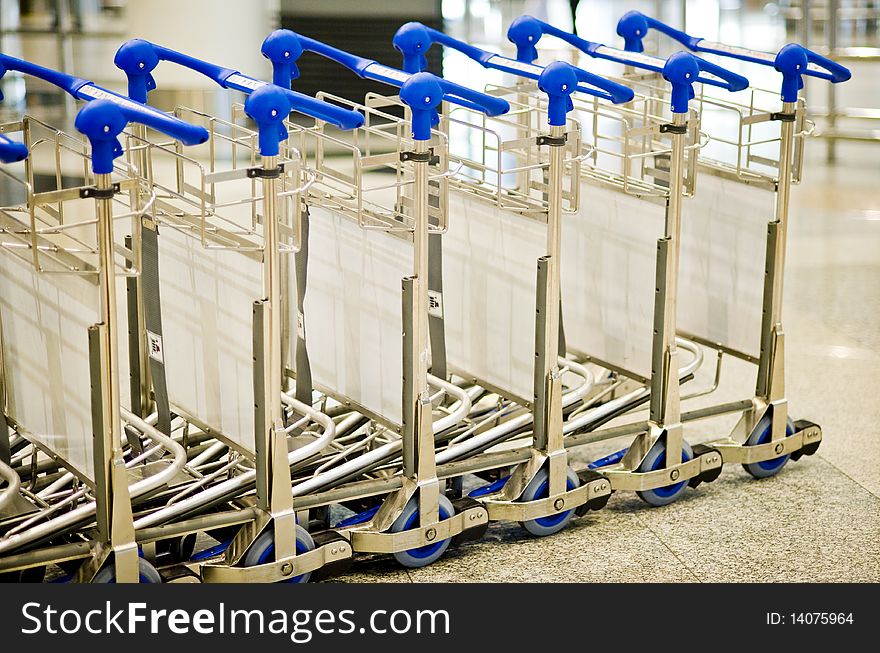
(155, 343)
(92, 92)
(634, 58)
(435, 304)
(734, 50)
(244, 82)
(301, 326)
(378, 70)
(512, 65)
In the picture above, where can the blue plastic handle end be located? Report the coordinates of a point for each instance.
(525, 32)
(633, 26)
(412, 40)
(101, 121)
(681, 71)
(12, 151)
(137, 58)
(269, 106)
(792, 61)
(422, 94)
(283, 49)
(559, 80)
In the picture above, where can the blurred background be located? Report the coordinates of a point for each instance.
(81, 36)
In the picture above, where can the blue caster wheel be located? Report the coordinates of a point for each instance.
(263, 551)
(760, 435)
(539, 488)
(424, 555)
(656, 459)
(146, 574)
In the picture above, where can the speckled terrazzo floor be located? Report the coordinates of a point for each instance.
(819, 520)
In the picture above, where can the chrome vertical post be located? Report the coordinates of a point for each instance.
(112, 500)
(418, 429)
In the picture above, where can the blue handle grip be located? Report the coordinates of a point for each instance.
(723, 77)
(106, 148)
(558, 81)
(633, 26)
(282, 47)
(138, 58)
(65, 82)
(11, 151)
(681, 70)
(793, 61)
(422, 93)
(414, 39)
(102, 120)
(526, 31)
(268, 106)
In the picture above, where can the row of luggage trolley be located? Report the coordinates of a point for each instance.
(248, 348)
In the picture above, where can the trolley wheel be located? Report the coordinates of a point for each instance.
(761, 434)
(263, 551)
(539, 488)
(147, 574)
(421, 556)
(656, 459)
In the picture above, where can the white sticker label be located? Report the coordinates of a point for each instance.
(512, 65)
(378, 70)
(244, 82)
(435, 304)
(633, 58)
(155, 342)
(94, 93)
(301, 326)
(735, 50)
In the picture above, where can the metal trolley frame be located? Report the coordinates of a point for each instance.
(59, 239)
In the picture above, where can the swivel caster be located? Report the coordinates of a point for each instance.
(263, 551)
(761, 434)
(656, 459)
(538, 488)
(424, 555)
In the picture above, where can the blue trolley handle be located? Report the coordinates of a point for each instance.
(793, 60)
(526, 31)
(414, 39)
(105, 145)
(138, 58)
(83, 89)
(11, 151)
(284, 47)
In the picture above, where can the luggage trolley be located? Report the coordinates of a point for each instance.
(206, 213)
(543, 492)
(765, 437)
(439, 521)
(61, 264)
(584, 334)
(649, 348)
